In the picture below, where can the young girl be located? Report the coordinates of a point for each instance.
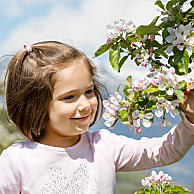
(53, 98)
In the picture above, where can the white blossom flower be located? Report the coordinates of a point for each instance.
(178, 36)
(159, 178)
(143, 57)
(142, 117)
(112, 106)
(140, 84)
(189, 44)
(162, 105)
(120, 27)
(146, 182)
(170, 91)
(135, 114)
(136, 123)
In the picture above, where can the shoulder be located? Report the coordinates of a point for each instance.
(99, 135)
(18, 149)
(106, 137)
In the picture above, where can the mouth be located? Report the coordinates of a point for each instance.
(81, 118)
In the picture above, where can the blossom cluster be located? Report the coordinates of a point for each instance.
(112, 106)
(144, 56)
(160, 183)
(178, 38)
(165, 82)
(160, 179)
(120, 27)
(165, 47)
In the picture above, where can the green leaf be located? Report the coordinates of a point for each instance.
(114, 56)
(182, 84)
(171, 3)
(155, 43)
(166, 24)
(165, 33)
(122, 61)
(146, 30)
(186, 61)
(182, 60)
(161, 52)
(124, 114)
(102, 49)
(192, 4)
(151, 90)
(180, 95)
(131, 37)
(136, 51)
(190, 34)
(192, 10)
(178, 60)
(129, 82)
(154, 21)
(118, 87)
(160, 4)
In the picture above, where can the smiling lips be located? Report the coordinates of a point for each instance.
(81, 118)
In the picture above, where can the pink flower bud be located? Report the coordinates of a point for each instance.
(152, 82)
(152, 36)
(143, 44)
(109, 40)
(151, 69)
(138, 130)
(144, 63)
(152, 49)
(133, 44)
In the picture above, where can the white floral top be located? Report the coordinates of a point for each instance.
(88, 167)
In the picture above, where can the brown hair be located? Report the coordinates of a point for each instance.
(29, 85)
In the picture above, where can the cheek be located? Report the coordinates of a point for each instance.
(62, 110)
(94, 104)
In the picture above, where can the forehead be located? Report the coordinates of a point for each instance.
(72, 77)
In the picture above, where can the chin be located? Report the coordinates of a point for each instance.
(81, 129)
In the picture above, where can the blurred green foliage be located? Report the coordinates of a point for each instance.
(8, 132)
(129, 182)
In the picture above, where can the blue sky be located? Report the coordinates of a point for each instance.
(82, 23)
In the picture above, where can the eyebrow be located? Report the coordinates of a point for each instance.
(71, 91)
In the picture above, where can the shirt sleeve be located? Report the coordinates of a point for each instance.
(131, 155)
(9, 179)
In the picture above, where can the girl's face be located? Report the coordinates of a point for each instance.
(73, 106)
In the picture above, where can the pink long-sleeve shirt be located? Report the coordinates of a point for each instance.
(89, 166)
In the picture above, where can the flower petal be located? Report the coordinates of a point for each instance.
(149, 115)
(136, 123)
(159, 112)
(146, 123)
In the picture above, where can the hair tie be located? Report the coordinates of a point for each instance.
(28, 48)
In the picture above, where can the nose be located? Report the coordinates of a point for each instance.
(84, 104)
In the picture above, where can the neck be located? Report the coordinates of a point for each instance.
(67, 141)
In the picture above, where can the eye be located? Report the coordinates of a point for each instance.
(68, 97)
(90, 91)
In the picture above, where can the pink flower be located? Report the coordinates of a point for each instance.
(168, 179)
(152, 36)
